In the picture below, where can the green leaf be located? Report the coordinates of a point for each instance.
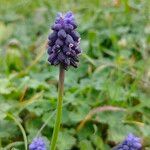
(5, 86)
(85, 145)
(66, 140)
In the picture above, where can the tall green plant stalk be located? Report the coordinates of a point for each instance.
(59, 107)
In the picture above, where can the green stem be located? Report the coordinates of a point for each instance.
(21, 128)
(59, 107)
(9, 146)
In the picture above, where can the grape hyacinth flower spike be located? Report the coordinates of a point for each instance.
(63, 50)
(63, 42)
(37, 144)
(131, 142)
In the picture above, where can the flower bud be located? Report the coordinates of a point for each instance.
(37, 144)
(131, 142)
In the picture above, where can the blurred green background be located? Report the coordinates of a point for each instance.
(106, 97)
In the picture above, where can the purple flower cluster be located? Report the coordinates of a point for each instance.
(130, 143)
(63, 43)
(37, 144)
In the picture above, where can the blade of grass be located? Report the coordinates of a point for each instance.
(96, 110)
(9, 146)
(21, 128)
(89, 59)
(26, 103)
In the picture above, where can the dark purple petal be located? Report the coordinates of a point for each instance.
(62, 34)
(69, 14)
(73, 63)
(50, 43)
(52, 57)
(67, 61)
(49, 51)
(73, 53)
(56, 62)
(75, 58)
(54, 49)
(61, 57)
(56, 27)
(58, 17)
(59, 42)
(66, 49)
(69, 40)
(75, 35)
(78, 50)
(68, 27)
(137, 145)
(68, 53)
(73, 24)
(53, 36)
(125, 147)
